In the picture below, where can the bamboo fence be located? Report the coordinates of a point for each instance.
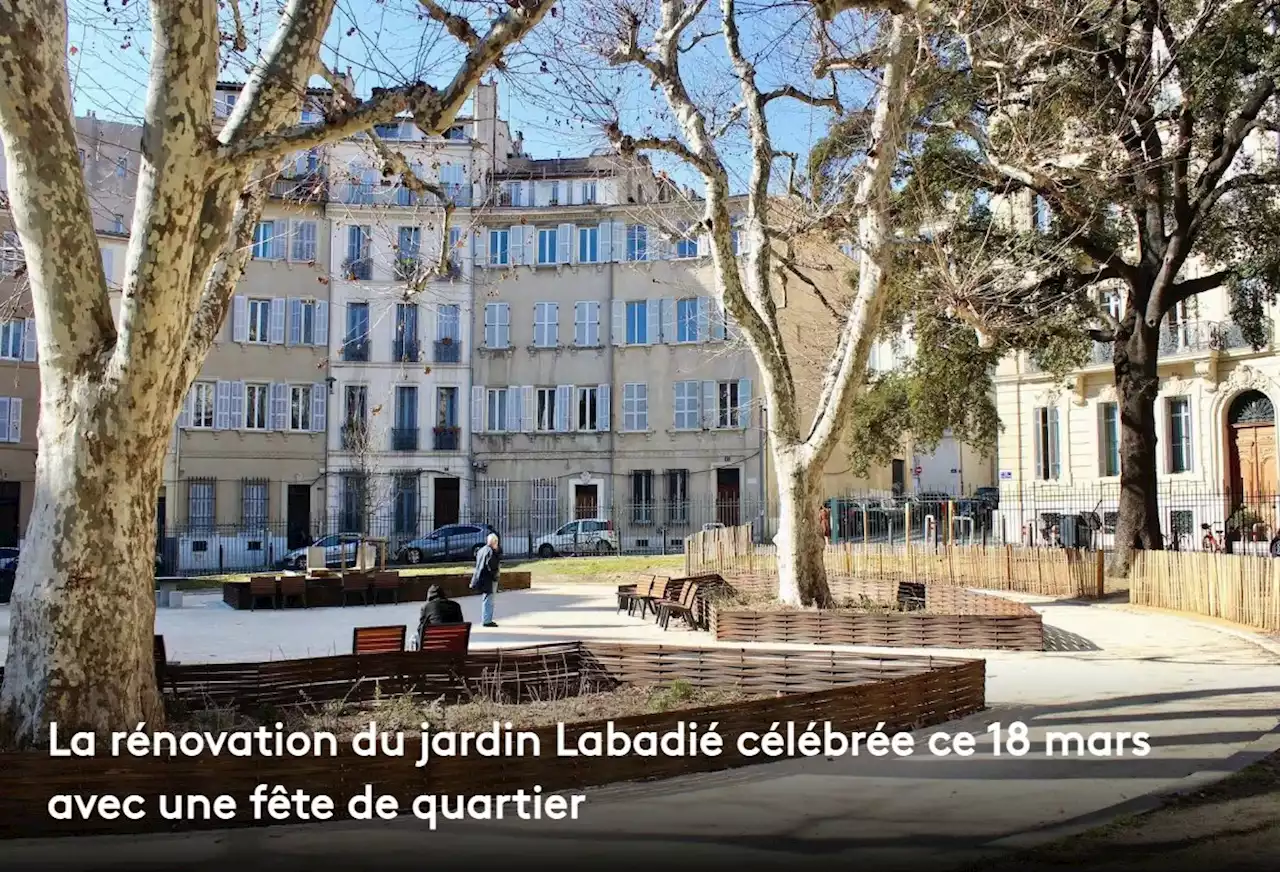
(1045, 571)
(1244, 589)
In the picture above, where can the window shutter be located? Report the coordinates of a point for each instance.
(580, 323)
(279, 410)
(744, 404)
(709, 417)
(15, 419)
(717, 322)
(691, 395)
(515, 245)
(222, 406)
(4, 417)
(602, 408)
(240, 320)
(669, 332)
(29, 339)
(653, 313)
(528, 408)
(280, 239)
(319, 408)
(503, 314)
(593, 322)
(564, 400)
(295, 322)
(565, 240)
(604, 244)
(1055, 464)
(322, 323)
(237, 405)
(477, 408)
(277, 321)
(619, 322)
(515, 417)
(184, 413)
(1038, 439)
(619, 241)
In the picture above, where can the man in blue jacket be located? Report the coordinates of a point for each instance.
(485, 578)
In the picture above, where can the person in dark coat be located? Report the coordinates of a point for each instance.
(484, 580)
(438, 609)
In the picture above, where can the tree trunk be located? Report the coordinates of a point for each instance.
(1137, 384)
(83, 610)
(802, 575)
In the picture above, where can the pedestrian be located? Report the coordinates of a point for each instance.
(824, 519)
(485, 578)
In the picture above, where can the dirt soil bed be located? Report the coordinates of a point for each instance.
(407, 713)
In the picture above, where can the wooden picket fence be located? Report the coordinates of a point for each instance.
(1045, 571)
(1244, 589)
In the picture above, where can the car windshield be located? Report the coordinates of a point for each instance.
(567, 528)
(327, 542)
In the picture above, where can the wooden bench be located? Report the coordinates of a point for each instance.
(628, 592)
(355, 585)
(378, 640)
(657, 593)
(263, 587)
(682, 608)
(449, 643)
(386, 582)
(293, 587)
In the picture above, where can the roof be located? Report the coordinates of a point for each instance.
(551, 168)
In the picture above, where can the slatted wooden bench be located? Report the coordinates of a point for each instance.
(657, 593)
(355, 584)
(448, 643)
(386, 582)
(683, 608)
(293, 587)
(378, 640)
(263, 587)
(628, 592)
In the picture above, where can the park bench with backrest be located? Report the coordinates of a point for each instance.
(263, 587)
(293, 588)
(448, 643)
(378, 640)
(355, 584)
(682, 608)
(649, 601)
(628, 592)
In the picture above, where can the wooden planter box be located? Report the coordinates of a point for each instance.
(854, 692)
(327, 591)
(951, 618)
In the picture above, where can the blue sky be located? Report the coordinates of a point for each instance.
(546, 95)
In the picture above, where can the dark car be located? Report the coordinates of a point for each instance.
(450, 542)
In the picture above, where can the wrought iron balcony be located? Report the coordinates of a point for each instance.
(356, 350)
(405, 351)
(448, 351)
(404, 439)
(446, 438)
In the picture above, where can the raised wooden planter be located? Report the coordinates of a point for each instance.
(327, 591)
(952, 617)
(854, 692)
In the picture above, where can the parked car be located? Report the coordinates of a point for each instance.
(450, 542)
(576, 537)
(339, 548)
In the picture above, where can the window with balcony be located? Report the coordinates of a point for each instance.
(448, 347)
(404, 436)
(359, 264)
(408, 253)
(447, 433)
(406, 339)
(355, 424)
(355, 346)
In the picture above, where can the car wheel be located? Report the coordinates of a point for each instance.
(546, 550)
(603, 547)
(413, 555)
(300, 562)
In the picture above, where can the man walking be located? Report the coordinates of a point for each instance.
(485, 578)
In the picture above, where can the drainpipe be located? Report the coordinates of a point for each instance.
(1022, 481)
(606, 317)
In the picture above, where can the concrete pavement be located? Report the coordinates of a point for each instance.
(1209, 698)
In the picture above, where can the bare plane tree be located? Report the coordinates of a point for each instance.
(80, 643)
(853, 204)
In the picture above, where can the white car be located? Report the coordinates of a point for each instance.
(338, 549)
(576, 537)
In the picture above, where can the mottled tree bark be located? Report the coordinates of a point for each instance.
(82, 621)
(802, 575)
(1137, 386)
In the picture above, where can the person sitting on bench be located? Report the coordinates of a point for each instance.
(438, 609)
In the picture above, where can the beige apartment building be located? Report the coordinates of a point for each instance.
(604, 382)
(109, 154)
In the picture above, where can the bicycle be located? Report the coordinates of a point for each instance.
(1210, 542)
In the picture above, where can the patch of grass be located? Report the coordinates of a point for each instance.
(593, 569)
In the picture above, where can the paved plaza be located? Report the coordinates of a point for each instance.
(1208, 695)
